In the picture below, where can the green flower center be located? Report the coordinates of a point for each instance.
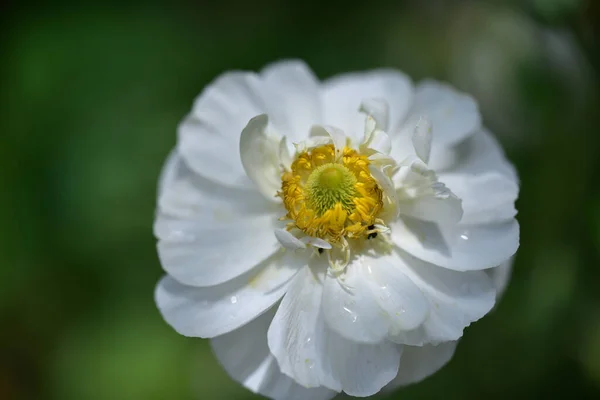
(330, 184)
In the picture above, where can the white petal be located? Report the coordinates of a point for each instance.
(211, 311)
(360, 369)
(420, 362)
(453, 115)
(482, 153)
(259, 155)
(379, 109)
(441, 207)
(390, 210)
(169, 172)
(245, 355)
(210, 233)
(420, 195)
(421, 139)
(316, 242)
(350, 309)
(295, 103)
(375, 138)
(209, 136)
(203, 254)
(403, 305)
(284, 154)
(500, 276)
(460, 248)
(337, 136)
(292, 334)
(455, 298)
(486, 198)
(288, 240)
(313, 355)
(343, 94)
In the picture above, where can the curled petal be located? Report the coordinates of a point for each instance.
(259, 155)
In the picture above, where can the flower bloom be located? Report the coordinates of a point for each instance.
(332, 237)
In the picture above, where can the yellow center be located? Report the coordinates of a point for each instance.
(329, 198)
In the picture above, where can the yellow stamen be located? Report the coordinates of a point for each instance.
(331, 199)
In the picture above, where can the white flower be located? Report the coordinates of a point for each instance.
(332, 236)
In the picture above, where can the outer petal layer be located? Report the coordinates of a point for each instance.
(211, 311)
(456, 299)
(246, 357)
(420, 362)
(461, 248)
(209, 233)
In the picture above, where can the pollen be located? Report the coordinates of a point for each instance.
(331, 198)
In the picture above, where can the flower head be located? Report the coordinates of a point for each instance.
(334, 236)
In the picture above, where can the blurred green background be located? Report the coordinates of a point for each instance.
(90, 96)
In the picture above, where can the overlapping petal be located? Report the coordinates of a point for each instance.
(245, 355)
(461, 248)
(209, 233)
(343, 95)
(211, 311)
(287, 92)
(311, 353)
(419, 362)
(455, 299)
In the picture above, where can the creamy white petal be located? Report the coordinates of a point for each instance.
(187, 195)
(375, 138)
(420, 362)
(169, 171)
(289, 241)
(403, 304)
(454, 116)
(379, 110)
(482, 153)
(459, 248)
(295, 103)
(292, 334)
(316, 242)
(245, 355)
(313, 355)
(350, 309)
(209, 136)
(456, 299)
(486, 198)
(343, 95)
(337, 136)
(360, 369)
(421, 139)
(211, 311)
(201, 254)
(500, 276)
(259, 155)
(439, 207)
(420, 195)
(209, 233)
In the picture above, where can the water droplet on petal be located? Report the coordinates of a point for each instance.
(308, 340)
(353, 315)
(464, 236)
(233, 299)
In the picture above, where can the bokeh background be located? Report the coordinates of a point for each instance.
(91, 93)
